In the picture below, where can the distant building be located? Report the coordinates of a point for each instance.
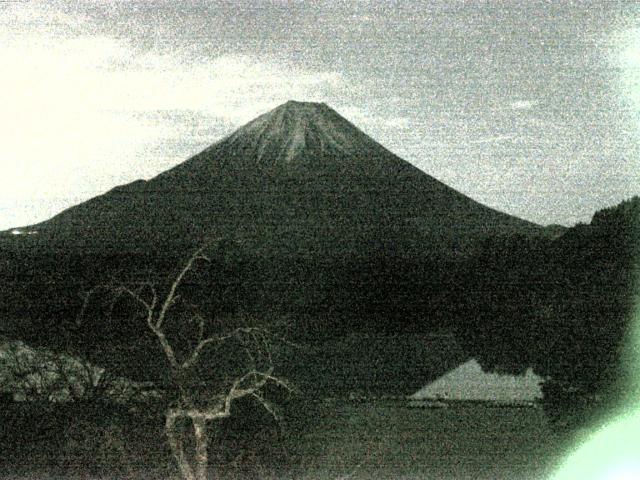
(469, 382)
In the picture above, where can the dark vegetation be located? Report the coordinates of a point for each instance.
(563, 307)
(100, 439)
(317, 440)
(558, 305)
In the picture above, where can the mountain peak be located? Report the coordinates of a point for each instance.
(293, 110)
(295, 105)
(297, 129)
(304, 109)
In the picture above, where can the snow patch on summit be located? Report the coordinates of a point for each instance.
(283, 134)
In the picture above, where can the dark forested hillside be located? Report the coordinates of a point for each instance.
(561, 306)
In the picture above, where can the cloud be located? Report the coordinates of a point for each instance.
(366, 119)
(79, 111)
(523, 104)
(45, 17)
(397, 122)
(235, 87)
(625, 60)
(496, 139)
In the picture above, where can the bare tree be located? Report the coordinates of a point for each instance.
(251, 344)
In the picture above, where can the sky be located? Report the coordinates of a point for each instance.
(532, 108)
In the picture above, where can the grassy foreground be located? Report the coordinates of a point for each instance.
(385, 439)
(332, 439)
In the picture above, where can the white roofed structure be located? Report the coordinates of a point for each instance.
(469, 382)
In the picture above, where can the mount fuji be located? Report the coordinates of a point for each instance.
(299, 180)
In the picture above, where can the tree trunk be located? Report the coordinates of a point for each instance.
(176, 446)
(198, 469)
(201, 458)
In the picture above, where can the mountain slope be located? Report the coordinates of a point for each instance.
(298, 180)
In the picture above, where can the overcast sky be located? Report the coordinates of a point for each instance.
(530, 107)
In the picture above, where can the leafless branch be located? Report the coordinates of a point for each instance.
(171, 297)
(268, 406)
(193, 358)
